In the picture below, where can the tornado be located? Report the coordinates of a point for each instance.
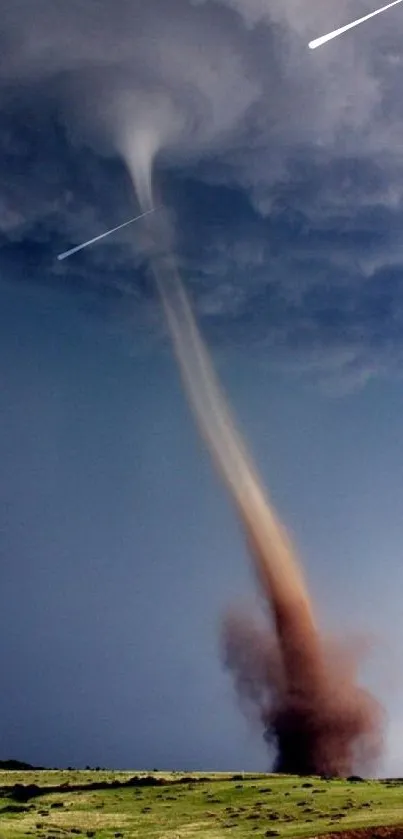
(302, 685)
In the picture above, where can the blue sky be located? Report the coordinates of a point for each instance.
(119, 550)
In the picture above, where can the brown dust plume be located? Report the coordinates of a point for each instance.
(303, 686)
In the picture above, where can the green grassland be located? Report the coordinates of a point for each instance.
(167, 805)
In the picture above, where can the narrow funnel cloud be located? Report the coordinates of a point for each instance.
(310, 706)
(318, 42)
(64, 255)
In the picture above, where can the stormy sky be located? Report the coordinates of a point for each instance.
(119, 553)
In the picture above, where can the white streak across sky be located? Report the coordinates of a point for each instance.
(102, 235)
(318, 42)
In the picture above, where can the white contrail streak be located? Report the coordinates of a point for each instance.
(102, 236)
(318, 42)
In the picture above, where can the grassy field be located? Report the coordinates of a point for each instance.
(174, 806)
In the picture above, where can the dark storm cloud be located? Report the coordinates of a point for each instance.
(284, 166)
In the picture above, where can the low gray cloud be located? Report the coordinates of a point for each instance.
(284, 166)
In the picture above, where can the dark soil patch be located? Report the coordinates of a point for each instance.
(14, 808)
(384, 832)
